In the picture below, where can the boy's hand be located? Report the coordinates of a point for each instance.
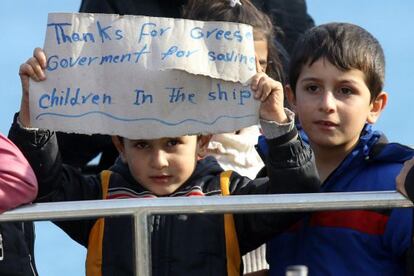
(270, 93)
(33, 68)
(400, 179)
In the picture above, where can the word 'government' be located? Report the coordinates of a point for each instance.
(55, 62)
(71, 97)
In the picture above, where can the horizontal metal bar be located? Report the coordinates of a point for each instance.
(210, 204)
(140, 209)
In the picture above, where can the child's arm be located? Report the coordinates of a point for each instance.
(290, 163)
(405, 180)
(40, 145)
(290, 169)
(18, 184)
(57, 182)
(34, 69)
(270, 93)
(276, 121)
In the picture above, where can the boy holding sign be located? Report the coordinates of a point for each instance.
(169, 167)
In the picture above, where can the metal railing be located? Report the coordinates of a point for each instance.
(142, 209)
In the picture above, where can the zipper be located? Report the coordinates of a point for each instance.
(30, 256)
(1, 248)
(31, 265)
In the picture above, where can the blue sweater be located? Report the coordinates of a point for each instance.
(352, 242)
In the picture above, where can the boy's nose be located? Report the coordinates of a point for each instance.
(159, 159)
(327, 102)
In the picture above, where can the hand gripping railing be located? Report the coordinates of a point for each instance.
(142, 209)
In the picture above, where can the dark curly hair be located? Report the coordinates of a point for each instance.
(246, 13)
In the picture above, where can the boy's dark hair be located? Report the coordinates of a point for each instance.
(246, 13)
(346, 46)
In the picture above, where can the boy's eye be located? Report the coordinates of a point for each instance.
(312, 88)
(172, 142)
(345, 90)
(141, 145)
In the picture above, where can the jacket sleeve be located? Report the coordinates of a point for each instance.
(18, 184)
(291, 169)
(57, 182)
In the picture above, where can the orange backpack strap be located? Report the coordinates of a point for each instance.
(232, 243)
(94, 254)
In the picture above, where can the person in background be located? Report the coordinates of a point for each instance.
(289, 17)
(18, 186)
(236, 151)
(405, 185)
(336, 80)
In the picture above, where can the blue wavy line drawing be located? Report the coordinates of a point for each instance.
(142, 119)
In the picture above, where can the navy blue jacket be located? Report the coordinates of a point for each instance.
(353, 242)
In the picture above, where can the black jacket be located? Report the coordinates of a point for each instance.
(17, 249)
(409, 184)
(181, 245)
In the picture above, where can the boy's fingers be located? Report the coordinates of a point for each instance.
(255, 80)
(263, 88)
(26, 70)
(400, 178)
(400, 184)
(267, 89)
(259, 87)
(39, 54)
(36, 69)
(410, 162)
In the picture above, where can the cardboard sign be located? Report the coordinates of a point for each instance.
(144, 77)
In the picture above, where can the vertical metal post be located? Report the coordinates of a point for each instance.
(142, 244)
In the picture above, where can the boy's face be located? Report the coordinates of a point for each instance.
(334, 105)
(161, 165)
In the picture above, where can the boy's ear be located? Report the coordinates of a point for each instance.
(377, 106)
(290, 96)
(202, 145)
(119, 145)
